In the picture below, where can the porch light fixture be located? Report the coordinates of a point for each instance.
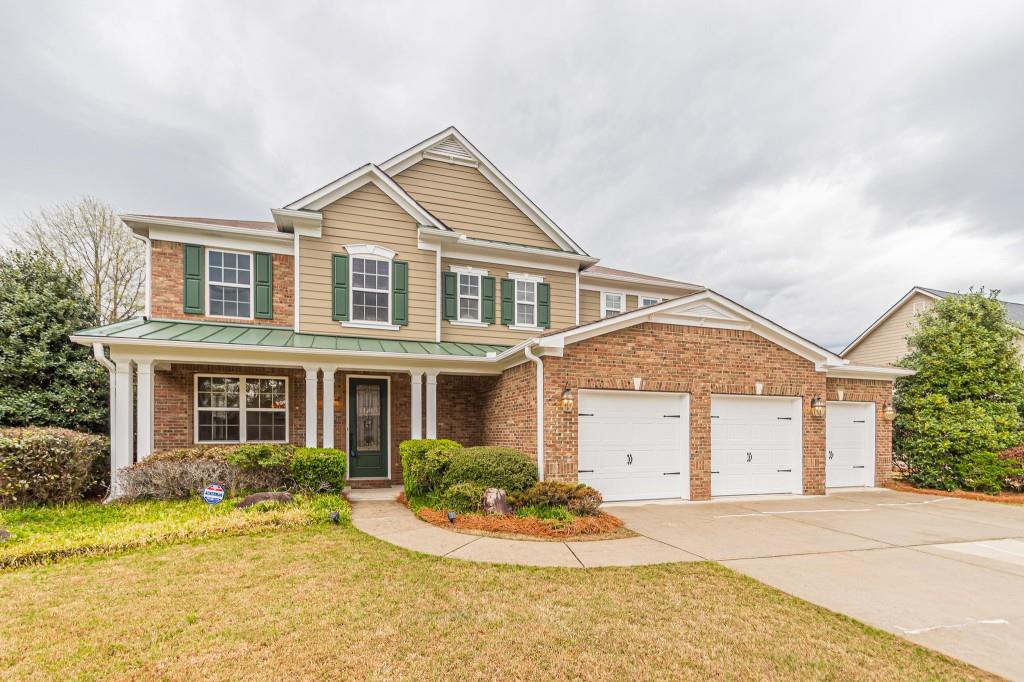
(567, 400)
(817, 406)
(888, 412)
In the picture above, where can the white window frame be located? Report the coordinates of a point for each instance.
(645, 301)
(516, 278)
(377, 253)
(242, 378)
(478, 274)
(622, 301)
(206, 278)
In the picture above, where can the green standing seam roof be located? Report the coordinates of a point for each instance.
(265, 336)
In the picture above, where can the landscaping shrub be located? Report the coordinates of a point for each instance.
(559, 515)
(50, 465)
(264, 456)
(312, 468)
(577, 498)
(424, 463)
(465, 497)
(1015, 480)
(491, 467)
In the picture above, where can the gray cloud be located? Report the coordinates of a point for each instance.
(810, 161)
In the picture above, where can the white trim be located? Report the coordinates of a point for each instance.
(371, 250)
(577, 297)
(361, 176)
(885, 316)
(438, 295)
(148, 245)
(467, 323)
(605, 310)
(359, 324)
(145, 408)
(231, 240)
(241, 409)
(654, 300)
(311, 385)
(869, 372)
(479, 298)
(637, 292)
(416, 405)
(348, 437)
(431, 404)
(122, 443)
(526, 277)
(409, 157)
(306, 223)
(328, 416)
(516, 324)
(525, 328)
(539, 399)
(640, 279)
(467, 270)
(249, 286)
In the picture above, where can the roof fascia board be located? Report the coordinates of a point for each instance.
(138, 223)
(305, 223)
(601, 278)
(638, 290)
(869, 372)
(885, 316)
(409, 157)
(455, 245)
(214, 239)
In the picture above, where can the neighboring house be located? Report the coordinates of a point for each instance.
(885, 341)
(427, 296)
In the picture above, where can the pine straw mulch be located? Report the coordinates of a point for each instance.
(601, 526)
(1005, 498)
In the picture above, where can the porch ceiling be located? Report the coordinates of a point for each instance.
(264, 336)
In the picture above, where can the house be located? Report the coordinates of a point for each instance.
(428, 296)
(885, 341)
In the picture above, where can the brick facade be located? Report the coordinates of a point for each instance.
(696, 360)
(510, 410)
(460, 407)
(168, 262)
(879, 393)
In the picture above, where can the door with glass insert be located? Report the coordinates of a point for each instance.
(368, 428)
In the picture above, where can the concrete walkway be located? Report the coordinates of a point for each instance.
(377, 513)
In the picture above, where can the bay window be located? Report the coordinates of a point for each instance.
(239, 409)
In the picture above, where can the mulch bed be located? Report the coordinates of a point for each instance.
(1006, 498)
(601, 526)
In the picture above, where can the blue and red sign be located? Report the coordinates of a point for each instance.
(213, 494)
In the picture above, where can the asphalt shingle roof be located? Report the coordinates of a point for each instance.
(1014, 311)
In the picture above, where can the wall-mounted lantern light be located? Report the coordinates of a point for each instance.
(817, 406)
(888, 412)
(567, 401)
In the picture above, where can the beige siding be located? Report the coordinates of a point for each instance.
(366, 216)
(590, 306)
(887, 342)
(467, 202)
(563, 305)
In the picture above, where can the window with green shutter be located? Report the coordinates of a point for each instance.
(487, 311)
(193, 269)
(339, 287)
(544, 305)
(508, 302)
(263, 282)
(399, 293)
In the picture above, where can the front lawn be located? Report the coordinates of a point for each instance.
(330, 602)
(43, 534)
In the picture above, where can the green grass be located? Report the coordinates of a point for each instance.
(330, 602)
(50, 533)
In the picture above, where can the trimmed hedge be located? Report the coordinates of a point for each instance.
(578, 498)
(464, 498)
(424, 463)
(491, 467)
(51, 465)
(318, 469)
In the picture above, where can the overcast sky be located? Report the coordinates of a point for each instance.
(810, 162)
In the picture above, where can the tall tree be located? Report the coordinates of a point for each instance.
(45, 379)
(88, 237)
(965, 403)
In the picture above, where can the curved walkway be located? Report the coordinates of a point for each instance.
(377, 513)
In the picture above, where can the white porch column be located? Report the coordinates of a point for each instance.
(417, 405)
(144, 405)
(121, 452)
(328, 406)
(432, 405)
(311, 406)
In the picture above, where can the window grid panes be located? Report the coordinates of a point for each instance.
(371, 290)
(647, 300)
(230, 284)
(469, 298)
(526, 303)
(613, 304)
(222, 416)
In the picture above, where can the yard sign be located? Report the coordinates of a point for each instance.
(213, 494)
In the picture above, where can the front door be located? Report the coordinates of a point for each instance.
(368, 428)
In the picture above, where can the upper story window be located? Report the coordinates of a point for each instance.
(526, 303)
(237, 409)
(649, 300)
(371, 290)
(469, 297)
(612, 304)
(229, 288)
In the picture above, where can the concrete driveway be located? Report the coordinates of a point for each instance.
(943, 572)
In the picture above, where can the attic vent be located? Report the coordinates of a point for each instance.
(449, 149)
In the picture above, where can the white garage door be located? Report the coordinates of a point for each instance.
(635, 445)
(849, 444)
(756, 445)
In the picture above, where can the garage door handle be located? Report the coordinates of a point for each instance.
(714, 472)
(586, 414)
(785, 418)
(671, 473)
(750, 457)
(584, 471)
(672, 416)
(858, 421)
(859, 467)
(784, 471)
(831, 454)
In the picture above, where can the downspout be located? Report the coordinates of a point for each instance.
(148, 309)
(540, 405)
(97, 352)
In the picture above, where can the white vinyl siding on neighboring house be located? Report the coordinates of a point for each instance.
(887, 342)
(228, 284)
(238, 409)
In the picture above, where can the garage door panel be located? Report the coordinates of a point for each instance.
(849, 444)
(756, 445)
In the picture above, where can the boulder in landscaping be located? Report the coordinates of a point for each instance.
(256, 498)
(496, 502)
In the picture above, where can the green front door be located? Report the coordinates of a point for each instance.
(368, 428)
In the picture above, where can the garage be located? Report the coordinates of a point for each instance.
(849, 444)
(634, 445)
(756, 445)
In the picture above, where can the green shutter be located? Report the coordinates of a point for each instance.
(399, 293)
(544, 305)
(263, 284)
(193, 268)
(508, 301)
(339, 287)
(487, 300)
(450, 309)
